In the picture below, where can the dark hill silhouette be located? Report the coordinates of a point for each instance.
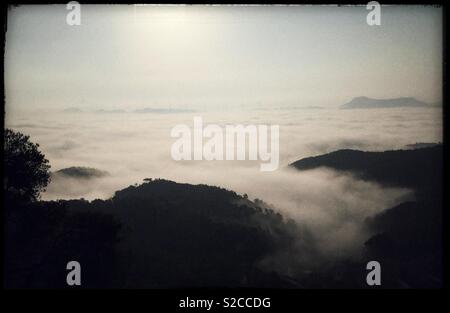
(408, 237)
(408, 242)
(181, 235)
(160, 234)
(420, 169)
(42, 237)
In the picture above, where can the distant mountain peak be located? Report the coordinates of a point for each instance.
(364, 102)
(163, 110)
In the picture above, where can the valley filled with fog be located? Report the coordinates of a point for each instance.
(133, 146)
(102, 96)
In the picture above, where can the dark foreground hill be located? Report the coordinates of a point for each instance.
(157, 235)
(407, 238)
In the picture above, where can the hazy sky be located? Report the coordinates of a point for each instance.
(131, 57)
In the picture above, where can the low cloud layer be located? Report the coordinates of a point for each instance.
(331, 206)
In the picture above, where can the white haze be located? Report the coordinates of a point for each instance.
(332, 205)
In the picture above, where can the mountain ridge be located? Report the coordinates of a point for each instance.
(363, 102)
(420, 168)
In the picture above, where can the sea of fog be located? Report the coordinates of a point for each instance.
(133, 146)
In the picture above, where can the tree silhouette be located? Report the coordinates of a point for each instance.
(26, 170)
